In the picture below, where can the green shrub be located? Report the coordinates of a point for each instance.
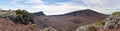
(101, 23)
(91, 28)
(82, 28)
(49, 29)
(98, 23)
(23, 16)
(33, 25)
(116, 13)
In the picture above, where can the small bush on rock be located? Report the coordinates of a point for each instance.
(49, 29)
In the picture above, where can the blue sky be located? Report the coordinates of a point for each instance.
(54, 7)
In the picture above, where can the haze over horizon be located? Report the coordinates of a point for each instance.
(54, 7)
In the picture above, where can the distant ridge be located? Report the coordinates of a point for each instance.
(37, 14)
(80, 12)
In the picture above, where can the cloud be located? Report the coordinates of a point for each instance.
(49, 10)
(34, 1)
(54, 9)
(14, 2)
(101, 6)
(103, 3)
(58, 9)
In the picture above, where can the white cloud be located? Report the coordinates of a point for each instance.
(104, 6)
(98, 5)
(15, 3)
(34, 1)
(103, 3)
(58, 9)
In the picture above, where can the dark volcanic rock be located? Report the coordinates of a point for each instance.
(86, 12)
(37, 14)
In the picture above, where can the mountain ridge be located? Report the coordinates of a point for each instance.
(79, 12)
(69, 22)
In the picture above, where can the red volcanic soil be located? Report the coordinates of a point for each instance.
(70, 21)
(8, 25)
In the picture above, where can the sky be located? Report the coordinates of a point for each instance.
(55, 7)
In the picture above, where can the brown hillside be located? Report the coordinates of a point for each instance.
(8, 25)
(70, 21)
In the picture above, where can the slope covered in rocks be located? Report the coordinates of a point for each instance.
(112, 23)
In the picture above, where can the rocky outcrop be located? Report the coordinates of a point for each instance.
(113, 22)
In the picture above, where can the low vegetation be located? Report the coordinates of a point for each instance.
(23, 17)
(112, 23)
(24, 22)
(18, 16)
(49, 29)
(8, 25)
(117, 13)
